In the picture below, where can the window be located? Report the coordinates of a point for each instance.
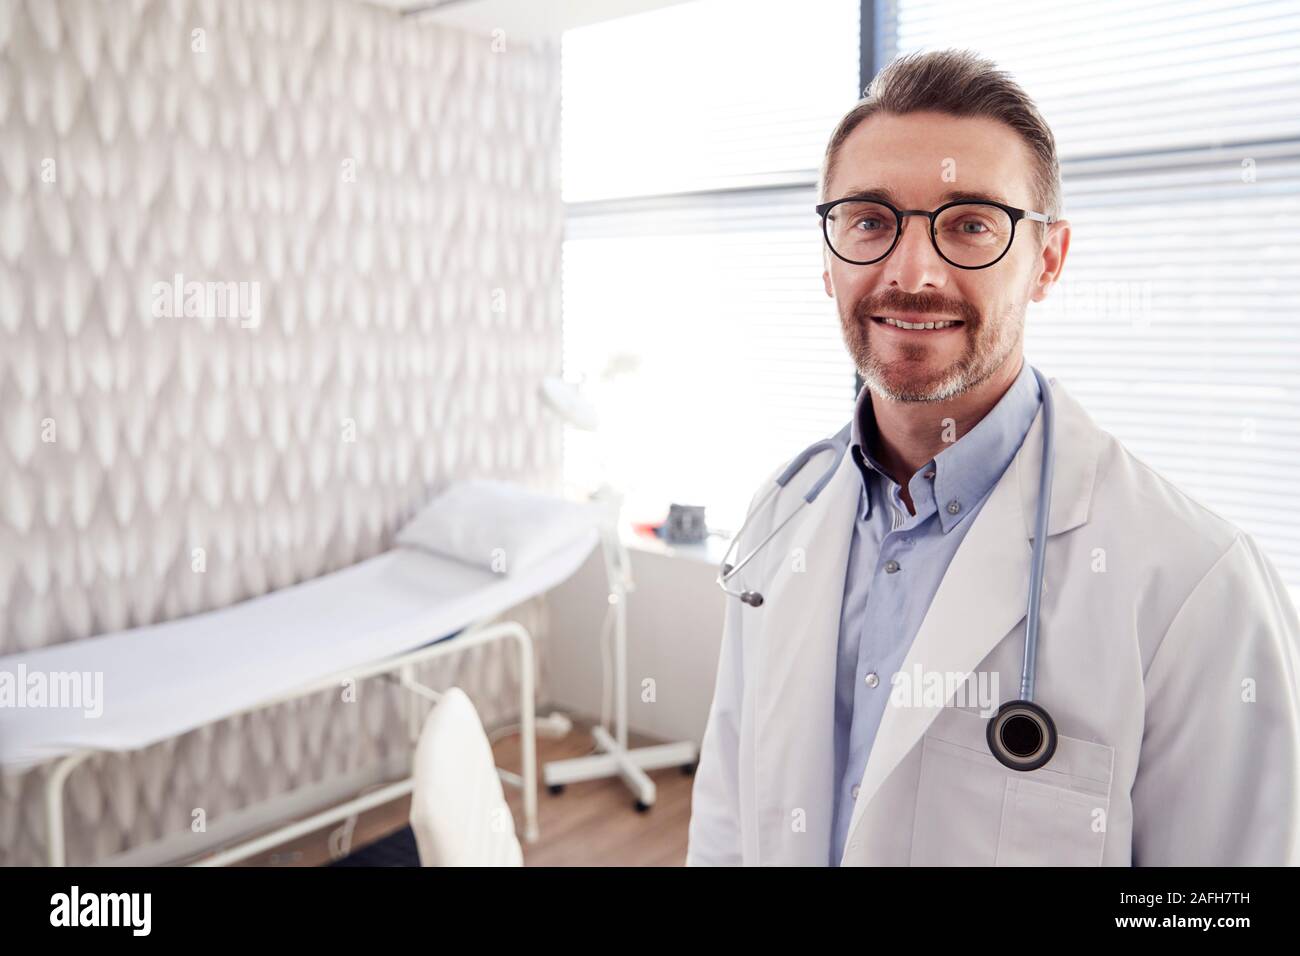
(693, 303)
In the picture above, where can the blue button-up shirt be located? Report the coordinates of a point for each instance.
(896, 563)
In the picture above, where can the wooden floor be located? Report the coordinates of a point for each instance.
(589, 824)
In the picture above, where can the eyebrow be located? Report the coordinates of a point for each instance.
(881, 192)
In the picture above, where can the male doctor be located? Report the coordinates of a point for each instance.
(849, 715)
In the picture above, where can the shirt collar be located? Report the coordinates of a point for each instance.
(964, 472)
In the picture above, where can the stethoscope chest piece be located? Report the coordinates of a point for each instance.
(1021, 735)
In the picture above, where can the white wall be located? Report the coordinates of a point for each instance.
(674, 634)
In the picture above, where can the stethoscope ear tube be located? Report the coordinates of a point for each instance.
(839, 444)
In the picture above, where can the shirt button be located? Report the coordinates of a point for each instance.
(891, 566)
(929, 474)
(856, 790)
(873, 679)
(954, 506)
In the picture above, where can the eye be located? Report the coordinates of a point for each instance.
(871, 223)
(973, 227)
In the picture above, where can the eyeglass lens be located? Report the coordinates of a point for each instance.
(972, 234)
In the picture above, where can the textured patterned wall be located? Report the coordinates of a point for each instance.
(388, 194)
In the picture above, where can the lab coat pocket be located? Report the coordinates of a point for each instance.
(958, 806)
(972, 811)
(1056, 815)
(1045, 825)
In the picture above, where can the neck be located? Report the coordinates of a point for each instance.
(909, 434)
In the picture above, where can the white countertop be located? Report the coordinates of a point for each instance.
(709, 551)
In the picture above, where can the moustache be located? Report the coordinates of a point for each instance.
(927, 302)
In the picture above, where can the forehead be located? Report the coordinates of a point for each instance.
(922, 157)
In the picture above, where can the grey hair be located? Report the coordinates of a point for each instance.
(958, 83)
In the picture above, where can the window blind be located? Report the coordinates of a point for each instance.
(1177, 322)
(713, 94)
(693, 304)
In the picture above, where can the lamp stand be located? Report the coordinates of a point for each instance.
(614, 758)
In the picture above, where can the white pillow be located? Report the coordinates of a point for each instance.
(497, 525)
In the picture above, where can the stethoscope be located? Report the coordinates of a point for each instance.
(1021, 735)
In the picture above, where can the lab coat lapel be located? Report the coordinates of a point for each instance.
(985, 591)
(795, 673)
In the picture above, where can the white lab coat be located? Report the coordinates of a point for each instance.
(1167, 657)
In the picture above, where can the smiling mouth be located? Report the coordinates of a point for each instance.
(926, 325)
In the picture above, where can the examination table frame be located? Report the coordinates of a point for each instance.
(400, 668)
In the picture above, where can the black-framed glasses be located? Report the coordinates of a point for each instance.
(967, 233)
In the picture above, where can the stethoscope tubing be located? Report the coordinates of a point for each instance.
(839, 444)
(1038, 557)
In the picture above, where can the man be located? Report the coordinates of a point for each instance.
(849, 721)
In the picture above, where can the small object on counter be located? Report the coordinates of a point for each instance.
(685, 524)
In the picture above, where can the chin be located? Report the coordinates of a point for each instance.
(910, 382)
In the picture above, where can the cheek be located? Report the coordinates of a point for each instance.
(989, 295)
(851, 283)
(982, 295)
(1017, 285)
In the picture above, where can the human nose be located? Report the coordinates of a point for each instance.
(915, 263)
